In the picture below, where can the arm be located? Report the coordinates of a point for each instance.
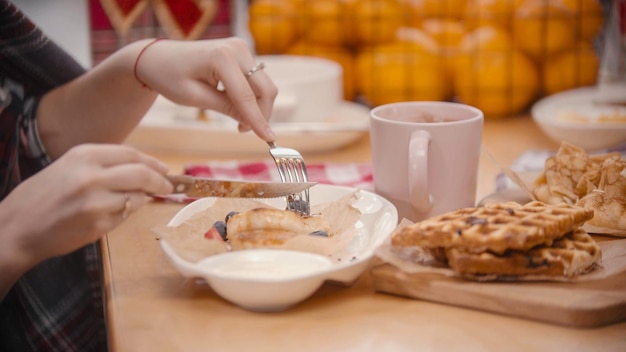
(105, 104)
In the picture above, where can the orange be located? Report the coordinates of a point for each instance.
(340, 55)
(570, 69)
(376, 21)
(486, 38)
(400, 72)
(326, 22)
(481, 40)
(542, 28)
(426, 42)
(499, 83)
(418, 37)
(273, 25)
(490, 12)
(419, 10)
(589, 17)
(448, 33)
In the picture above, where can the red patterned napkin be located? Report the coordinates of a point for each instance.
(352, 175)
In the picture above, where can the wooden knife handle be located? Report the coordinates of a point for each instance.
(181, 183)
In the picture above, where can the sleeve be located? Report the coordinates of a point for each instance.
(30, 65)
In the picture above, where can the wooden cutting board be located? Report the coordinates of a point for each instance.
(581, 304)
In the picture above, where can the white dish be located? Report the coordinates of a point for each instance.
(556, 115)
(308, 87)
(173, 128)
(268, 290)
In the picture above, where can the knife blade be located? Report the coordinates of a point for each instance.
(204, 187)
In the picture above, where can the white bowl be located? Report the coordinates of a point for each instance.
(272, 279)
(309, 88)
(557, 117)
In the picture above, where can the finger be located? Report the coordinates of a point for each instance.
(247, 102)
(243, 127)
(135, 177)
(126, 203)
(265, 90)
(108, 155)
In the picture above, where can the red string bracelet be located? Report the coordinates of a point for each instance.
(143, 84)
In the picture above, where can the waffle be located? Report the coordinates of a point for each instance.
(495, 227)
(574, 254)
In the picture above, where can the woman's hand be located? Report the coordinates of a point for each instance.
(77, 199)
(211, 74)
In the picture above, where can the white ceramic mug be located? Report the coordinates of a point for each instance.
(425, 156)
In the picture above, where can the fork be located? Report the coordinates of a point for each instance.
(291, 168)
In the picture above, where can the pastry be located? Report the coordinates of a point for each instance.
(569, 256)
(264, 227)
(608, 200)
(496, 228)
(595, 182)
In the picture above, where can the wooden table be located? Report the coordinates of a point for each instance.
(151, 307)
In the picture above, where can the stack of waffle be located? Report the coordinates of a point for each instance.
(505, 240)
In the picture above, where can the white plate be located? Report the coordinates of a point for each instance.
(260, 287)
(169, 127)
(549, 115)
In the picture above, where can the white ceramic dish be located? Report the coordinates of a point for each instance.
(308, 87)
(270, 279)
(552, 115)
(172, 128)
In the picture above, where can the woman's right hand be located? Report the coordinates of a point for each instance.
(75, 200)
(190, 72)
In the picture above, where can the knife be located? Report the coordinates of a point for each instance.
(203, 187)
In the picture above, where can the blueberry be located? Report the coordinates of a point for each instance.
(320, 233)
(230, 215)
(220, 226)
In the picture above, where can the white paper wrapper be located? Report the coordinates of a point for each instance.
(604, 231)
(613, 262)
(417, 260)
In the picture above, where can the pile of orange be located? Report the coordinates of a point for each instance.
(498, 55)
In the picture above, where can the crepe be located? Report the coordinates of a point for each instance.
(595, 182)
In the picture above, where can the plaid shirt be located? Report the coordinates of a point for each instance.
(57, 305)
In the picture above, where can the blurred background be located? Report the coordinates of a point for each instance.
(498, 55)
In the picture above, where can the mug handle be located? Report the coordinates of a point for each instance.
(418, 171)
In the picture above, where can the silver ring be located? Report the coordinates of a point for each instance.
(256, 67)
(127, 205)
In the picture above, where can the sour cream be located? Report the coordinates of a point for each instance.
(265, 264)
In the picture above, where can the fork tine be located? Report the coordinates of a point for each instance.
(282, 170)
(291, 168)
